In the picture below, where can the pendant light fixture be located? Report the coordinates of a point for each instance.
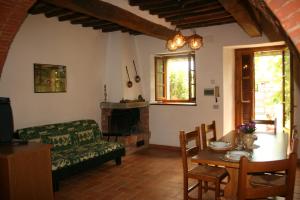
(179, 39)
(171, 46)
(194, 41)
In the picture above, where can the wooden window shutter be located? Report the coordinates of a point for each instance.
(160, 79)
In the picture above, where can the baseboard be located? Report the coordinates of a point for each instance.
(164, 147)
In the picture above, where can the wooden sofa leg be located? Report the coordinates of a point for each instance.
(118, 160)
(55, 185)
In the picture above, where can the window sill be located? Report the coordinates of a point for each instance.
(174, 103)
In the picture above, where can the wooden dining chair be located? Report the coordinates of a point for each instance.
(270, 185)
(294, 141)
(208, 133)
(268, 122)
(190, 145)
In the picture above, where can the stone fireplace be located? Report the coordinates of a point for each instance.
(127, 123)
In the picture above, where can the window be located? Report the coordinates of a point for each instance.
(175, 78)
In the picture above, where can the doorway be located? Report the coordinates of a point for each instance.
(263, 88)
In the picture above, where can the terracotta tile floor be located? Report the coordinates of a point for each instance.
(150, 174)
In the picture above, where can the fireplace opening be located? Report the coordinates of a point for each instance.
(124, 121)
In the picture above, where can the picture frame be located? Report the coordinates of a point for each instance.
(49, 78)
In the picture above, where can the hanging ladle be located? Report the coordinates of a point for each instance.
(129, 83)
(137, 78)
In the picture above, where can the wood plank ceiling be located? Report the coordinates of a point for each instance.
(183, 14)
(76, 18)
(186, 14)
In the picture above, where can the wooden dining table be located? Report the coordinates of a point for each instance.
(268, 147)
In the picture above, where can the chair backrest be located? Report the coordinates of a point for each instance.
(190, 145)
(245, 191)
(294, 142)
(206, 130)
(267, 122)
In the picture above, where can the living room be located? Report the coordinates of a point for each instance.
(96, 60)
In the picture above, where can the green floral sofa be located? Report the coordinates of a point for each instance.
(77, 145)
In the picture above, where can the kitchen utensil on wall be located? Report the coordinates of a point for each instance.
(137, 78)
(129, 83)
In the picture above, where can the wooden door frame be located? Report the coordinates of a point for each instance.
(238, 79)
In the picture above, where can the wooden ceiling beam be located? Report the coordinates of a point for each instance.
(208, 23)
(95, 23)
(191, 10)
(201, 19)
(272, 26)
(112, 28)
(40, 8)
(238, 10)
(182, 18)
(96, 27)
(56, 12)
(105, 11)
(161, 5)
(82, 20)
(152, 2)
(71, 16)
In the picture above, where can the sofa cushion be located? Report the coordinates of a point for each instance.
(68, 157)
(34, 133)
(59, 141)
(64, 158)
(96, 149)
(85, 137)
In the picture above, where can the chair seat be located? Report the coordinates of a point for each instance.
(267, 180)
(209, 173)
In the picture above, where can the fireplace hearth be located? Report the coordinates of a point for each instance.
(124, 121)
(127, 123)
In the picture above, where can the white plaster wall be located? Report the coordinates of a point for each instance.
(121, 52)
(228, 88)
(166, 121)
(43, 40)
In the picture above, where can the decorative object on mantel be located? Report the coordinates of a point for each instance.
(248, 137)
(113, 105)
(194, 41)
(140, 99)
(105, 93)
(129, 83)
(137, 78)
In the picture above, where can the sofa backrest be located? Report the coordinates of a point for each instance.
(79, 127)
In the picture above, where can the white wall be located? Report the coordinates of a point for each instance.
(229, 88)
(166, 121)
(120, 53)
(43, 40)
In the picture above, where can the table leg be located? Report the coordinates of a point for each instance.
(230, 189)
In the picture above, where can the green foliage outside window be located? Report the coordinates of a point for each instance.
(179, 88)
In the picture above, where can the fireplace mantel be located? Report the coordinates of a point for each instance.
(113, 105)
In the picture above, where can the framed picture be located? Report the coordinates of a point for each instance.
(49, 78)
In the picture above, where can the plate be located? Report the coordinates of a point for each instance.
(236, 155)
(218, 145)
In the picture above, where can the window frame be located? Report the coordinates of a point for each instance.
(192, 70)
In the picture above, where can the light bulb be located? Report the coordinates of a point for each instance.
(171, 45)
(179, 39)
(195, 42)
